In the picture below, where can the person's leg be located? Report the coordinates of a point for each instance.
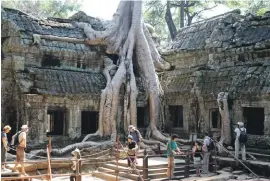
(17, 161)
(243, 149)
(236, 144)
(170, 171)
(205, 166)
(3, 158)
(128, 161)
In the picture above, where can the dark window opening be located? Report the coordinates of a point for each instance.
(83, 66)
(141, 117)
(78, 64)
(254, 117)
(50, 60)
(56, 122)
(113, 57)
(215, 118)
(177, 116)
(89, 120)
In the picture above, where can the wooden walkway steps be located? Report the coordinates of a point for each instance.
(157, 169)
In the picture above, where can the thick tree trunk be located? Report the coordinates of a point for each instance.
(225, 118)
(169, 21)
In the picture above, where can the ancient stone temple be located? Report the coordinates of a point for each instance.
(228, 54)
(52, 80)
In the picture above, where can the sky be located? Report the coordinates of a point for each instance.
(106, 8)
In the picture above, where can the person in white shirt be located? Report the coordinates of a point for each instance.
(238, 144)
(206, 153)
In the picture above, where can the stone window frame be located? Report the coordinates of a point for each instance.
(65, 122)
(219, 124)
(183, 120)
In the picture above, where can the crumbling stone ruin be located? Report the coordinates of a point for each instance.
(53, 83)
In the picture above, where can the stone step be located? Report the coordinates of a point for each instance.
(109, 177)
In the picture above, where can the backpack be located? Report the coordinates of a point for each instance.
(15, 140)
(243, 136)
(211, 145)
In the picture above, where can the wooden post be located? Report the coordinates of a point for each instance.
(78, 168)
(117, 157)
(50, 144)
(145, 165)
(187, 166)
(49, 172)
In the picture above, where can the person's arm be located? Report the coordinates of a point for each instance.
(139, 135)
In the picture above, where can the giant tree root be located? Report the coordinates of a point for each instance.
(69, 148)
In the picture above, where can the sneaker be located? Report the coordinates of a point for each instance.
(4, 170)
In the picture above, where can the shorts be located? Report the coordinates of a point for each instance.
(197, 162)
(130, 159)
(3, 154)
(20, 155)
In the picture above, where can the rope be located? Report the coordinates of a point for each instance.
(227, 151)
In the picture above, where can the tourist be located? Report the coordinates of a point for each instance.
(4, 146)
(208, 146)
(197, 157)
(240, 140)
(137, 137)
(131, 152)
(20, 154)
(172, 150)
(76, 156)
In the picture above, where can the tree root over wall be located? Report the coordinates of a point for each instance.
(128, 37)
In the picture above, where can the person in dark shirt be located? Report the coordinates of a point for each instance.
(197, 157)
(4, 146)
(132, 147)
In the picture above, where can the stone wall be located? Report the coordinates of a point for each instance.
(228, 53)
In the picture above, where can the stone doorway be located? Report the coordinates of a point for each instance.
(89, 120)
(177, 116)
(56, 122)
(254, 117)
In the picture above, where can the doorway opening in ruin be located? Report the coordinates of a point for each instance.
(142, 117)
(89, 122)
(254, 117)
(56, 122)
(177, 116)
(215, 118)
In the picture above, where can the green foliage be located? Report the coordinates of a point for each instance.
(154, 13)
(45, 8)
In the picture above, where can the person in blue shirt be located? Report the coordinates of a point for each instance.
(172, 150)
(4, 146)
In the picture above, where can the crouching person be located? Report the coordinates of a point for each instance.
(132, 147)
(76, 156)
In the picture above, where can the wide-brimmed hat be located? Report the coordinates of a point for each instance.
(24, 127)
(130, 137)
(76, 150)
(240, 124)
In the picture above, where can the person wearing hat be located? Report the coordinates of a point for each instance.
(240, 140)
(131, 153)
(20, 154)
(4, 146)
(76, 156)
(137, 137)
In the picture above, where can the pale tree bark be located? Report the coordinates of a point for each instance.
(126, 35)
(225, 117)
